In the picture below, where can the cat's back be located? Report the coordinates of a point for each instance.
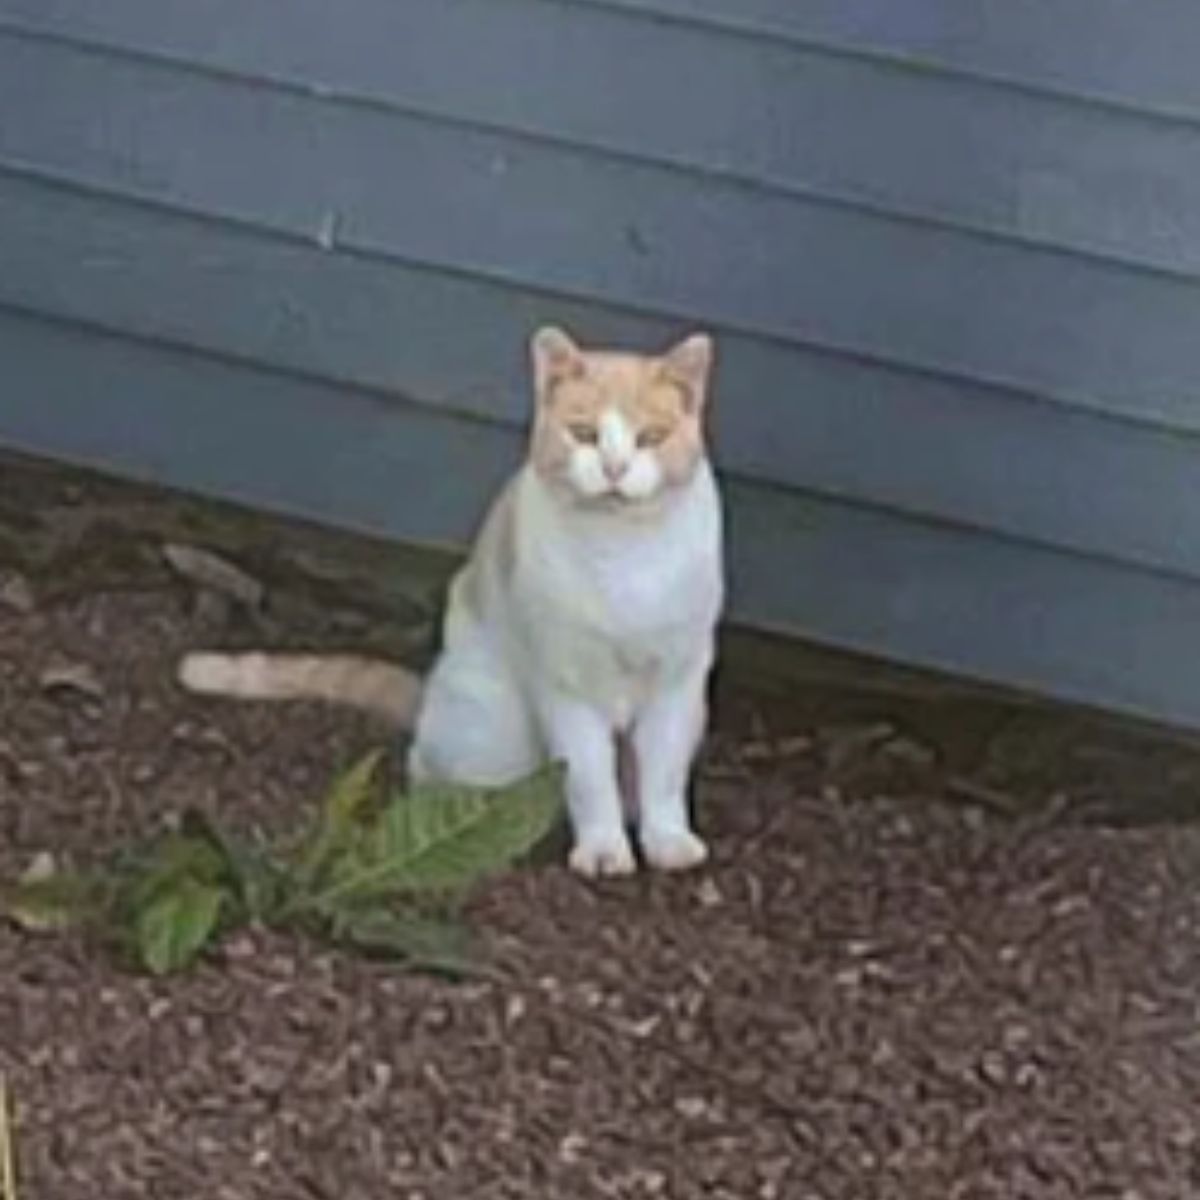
(479, 590)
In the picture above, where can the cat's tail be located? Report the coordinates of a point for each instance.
(384, 688)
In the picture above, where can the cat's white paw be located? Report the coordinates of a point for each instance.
(673, 849)
(603, 854)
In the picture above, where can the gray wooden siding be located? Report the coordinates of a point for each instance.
(951, 250)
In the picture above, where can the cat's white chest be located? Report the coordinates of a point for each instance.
(614, 663)
(614, 620)
(638, 592)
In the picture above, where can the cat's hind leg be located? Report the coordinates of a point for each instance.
(474, 726)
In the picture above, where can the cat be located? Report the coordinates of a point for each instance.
(582, 626)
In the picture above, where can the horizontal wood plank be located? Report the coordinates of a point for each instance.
(1079, 630)
(1112, 51)
(1109, 50)
(334, 454)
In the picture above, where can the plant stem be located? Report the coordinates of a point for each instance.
(8, 1174)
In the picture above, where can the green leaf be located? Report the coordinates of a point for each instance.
(444, 947)
(184, 854)
(443, 838)
(250, 875)
(177, 924)
(51, 903)
(339, 818)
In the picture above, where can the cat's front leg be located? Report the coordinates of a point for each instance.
(582, 737)
(665, 738)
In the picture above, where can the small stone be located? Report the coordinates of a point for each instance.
(211, 608)
(643, 1028)
(974, 818)
(16, 593)
(992, 1067)
(692, 1108)
(571, 1148)
(41, 866)
(845, 743)
(794, 745)
(214, 573)
(756, 751)
(909, 752)
(143, 772)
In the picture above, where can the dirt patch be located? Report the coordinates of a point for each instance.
(941, 952)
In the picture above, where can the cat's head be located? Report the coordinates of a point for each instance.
(617, 428)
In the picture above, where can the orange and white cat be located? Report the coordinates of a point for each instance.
(582, 626)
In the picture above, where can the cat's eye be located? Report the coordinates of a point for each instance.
(589, 435)
(653, 435)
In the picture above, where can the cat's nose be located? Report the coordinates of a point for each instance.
(614, 468)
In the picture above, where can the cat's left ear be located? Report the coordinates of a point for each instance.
(689, 363)
(555, 357)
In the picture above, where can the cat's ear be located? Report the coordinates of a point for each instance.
(555, 357)
(689, 363)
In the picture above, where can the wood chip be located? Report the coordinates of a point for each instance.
(71, 677)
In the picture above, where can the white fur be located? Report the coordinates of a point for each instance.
(603, 622)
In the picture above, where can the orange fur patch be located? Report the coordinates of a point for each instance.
(661, 397)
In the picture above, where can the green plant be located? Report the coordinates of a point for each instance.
(380, 873)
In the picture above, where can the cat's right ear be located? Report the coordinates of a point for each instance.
(555, 358)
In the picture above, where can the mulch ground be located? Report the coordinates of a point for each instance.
(943, 951)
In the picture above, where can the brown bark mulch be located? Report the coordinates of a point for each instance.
(905, 975)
